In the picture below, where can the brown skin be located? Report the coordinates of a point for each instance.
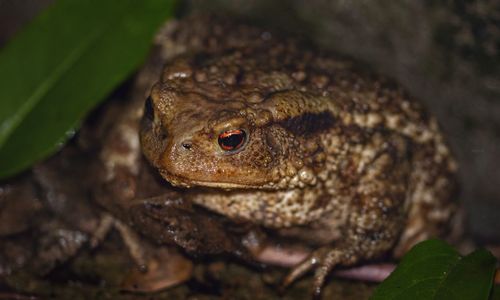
(332, 155)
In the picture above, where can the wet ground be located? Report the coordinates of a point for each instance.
(98, 275)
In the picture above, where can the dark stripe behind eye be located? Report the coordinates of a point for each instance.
(309, 123)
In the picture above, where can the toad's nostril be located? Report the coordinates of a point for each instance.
(187, 145)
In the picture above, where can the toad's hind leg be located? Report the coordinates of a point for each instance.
(432, 187)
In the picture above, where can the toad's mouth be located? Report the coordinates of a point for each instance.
(182, 181)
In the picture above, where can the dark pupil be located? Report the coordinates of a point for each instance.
(148, 109)
(232, 141)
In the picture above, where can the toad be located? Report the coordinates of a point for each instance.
(268, 130)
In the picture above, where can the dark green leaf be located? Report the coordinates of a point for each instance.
(495, 294)
(434, 270)
(62, 64)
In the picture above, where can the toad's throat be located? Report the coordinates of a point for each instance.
(182, 181)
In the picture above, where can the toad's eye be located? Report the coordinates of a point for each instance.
(232, 139)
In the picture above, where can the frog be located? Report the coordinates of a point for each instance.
(253, 127)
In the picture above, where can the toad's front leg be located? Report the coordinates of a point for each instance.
(375, 218)
(173, 220)
(345, 254)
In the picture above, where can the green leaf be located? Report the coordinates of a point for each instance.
(62, 64)
(434, 270)
(495, 294)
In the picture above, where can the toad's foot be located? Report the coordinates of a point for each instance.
(166, 267)
(291, 256)
(323, 261)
